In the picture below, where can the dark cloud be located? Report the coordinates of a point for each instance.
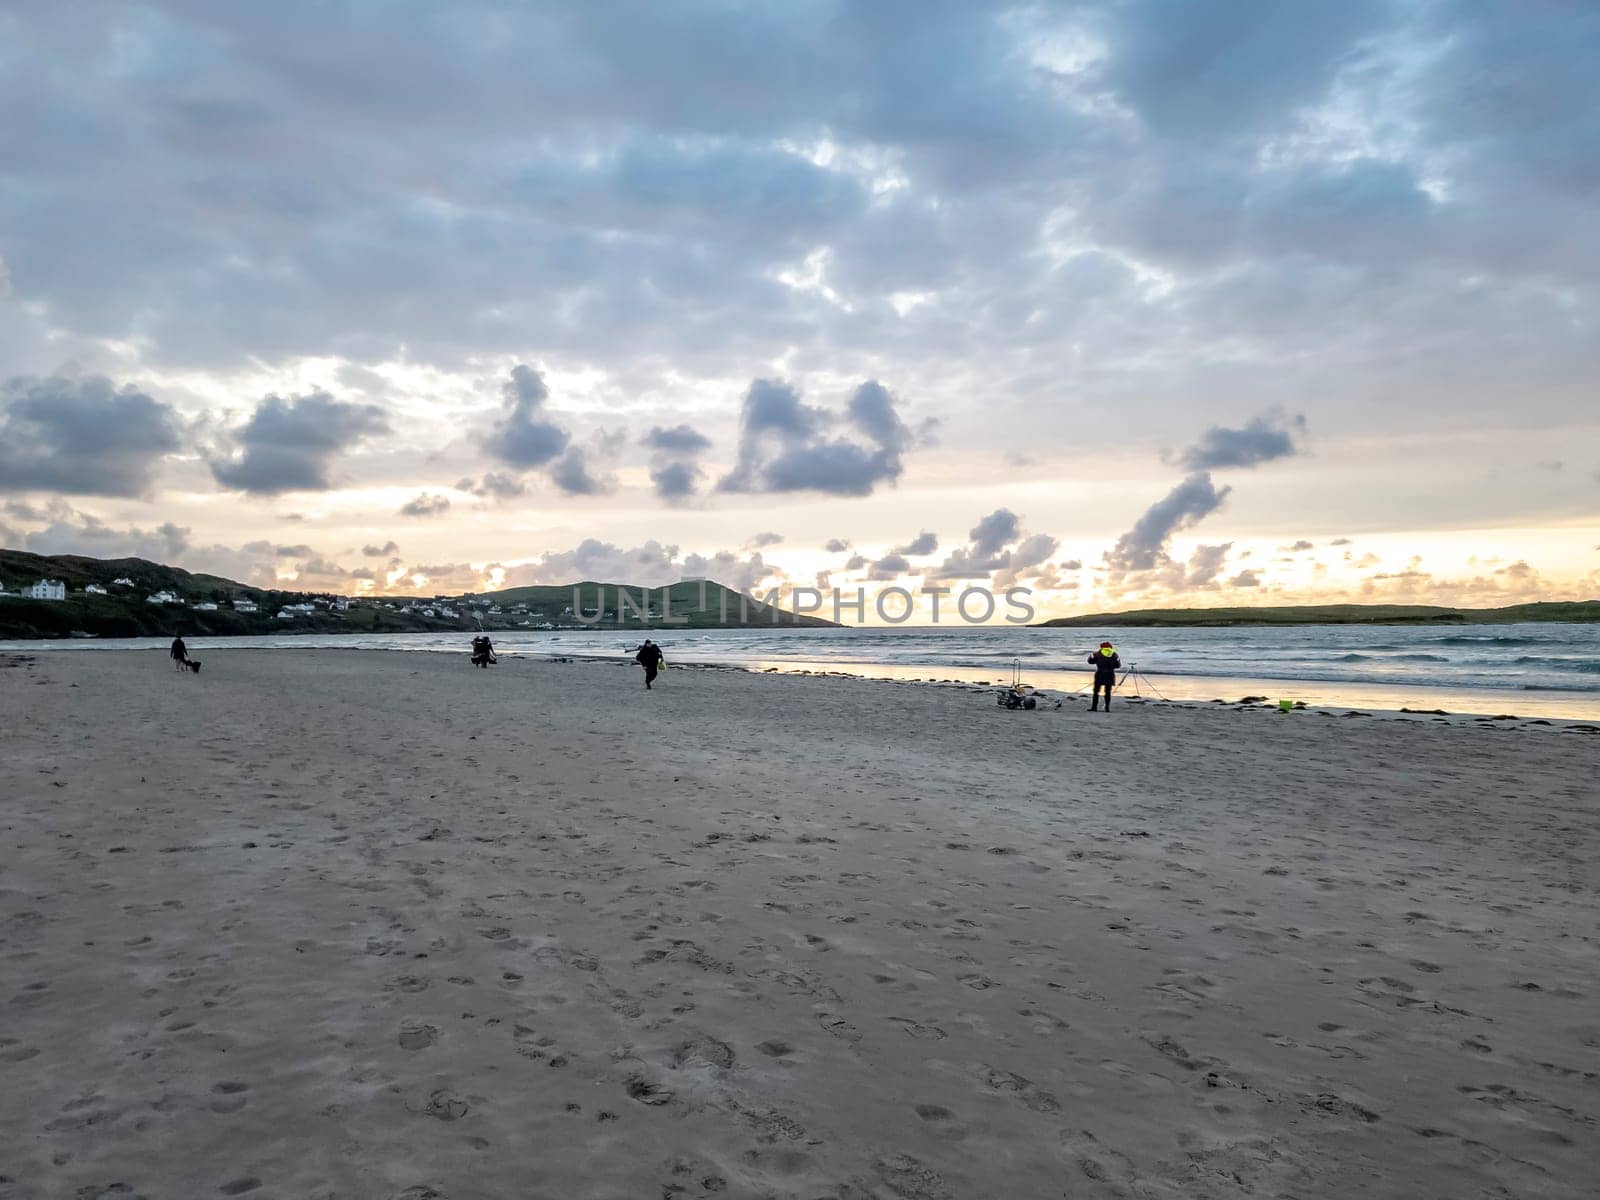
(675, 470)
(296, 551)
(497, 485)
(1299, 546)
(82, 437)
(386, 550)
(1261, 440)
(1245, 579)
(322, 567)
(997, 550)
(1340, 542)
(785, 444)
(890, 566)
(425, 504)
(924, 543)
(523, 438)
(680, 439)
(572, 475)
(675, 480)
(855, 562)
(289, 445)
(837, 545)
(1144, 547)
(764, 539)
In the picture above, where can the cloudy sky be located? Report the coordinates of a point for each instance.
(1217, 303)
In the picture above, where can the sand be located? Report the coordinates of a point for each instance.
(342, 924)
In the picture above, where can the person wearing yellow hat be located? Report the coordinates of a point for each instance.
(1106, 664)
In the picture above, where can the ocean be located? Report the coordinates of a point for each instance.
(1545, 670)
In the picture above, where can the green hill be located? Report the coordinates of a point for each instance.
(692, 604)
(1339, 614)
(126, 612)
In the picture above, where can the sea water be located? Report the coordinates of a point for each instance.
(1529, 669)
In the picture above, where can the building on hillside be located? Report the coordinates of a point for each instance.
(124, 581)
(45, 589)
(205, 607)
(340, 604)
(163, 597)
(93, 589)
(244, 606)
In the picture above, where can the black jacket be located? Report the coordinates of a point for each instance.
(1105, 669)
(649, 655)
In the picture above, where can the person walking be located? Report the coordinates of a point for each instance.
(649, 657)
(1106, 664)
(180, 655)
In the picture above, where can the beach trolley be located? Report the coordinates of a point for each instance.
(1017, 694)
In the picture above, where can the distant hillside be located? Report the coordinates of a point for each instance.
(126, 611)
(1582, 611)
(693, 604)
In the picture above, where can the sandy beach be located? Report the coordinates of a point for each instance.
(321, 924)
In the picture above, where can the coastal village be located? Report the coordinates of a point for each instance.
(448, 608)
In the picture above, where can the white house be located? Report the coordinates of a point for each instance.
(285, 615)
(341, 604)
(123, 582)
(46, 589)
(242, 605)
(163, 597)
(93, 589)
(206, 607)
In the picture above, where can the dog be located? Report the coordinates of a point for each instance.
(194, 665)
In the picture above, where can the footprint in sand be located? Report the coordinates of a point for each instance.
(240, 1187)
(229, 1097)
(916, 1029)
(415, 1035)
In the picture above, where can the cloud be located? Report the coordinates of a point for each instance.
(890, 566)
(785, 445)
(762, 540)
(675, 481)
(523, 438)
(675, 471)
(1298, 547)
(384, 551)
(74, 532)
(572, 475)
(82, 437)
(496, 485)
(296, 551)
(1205, 564)
(425, 504)
(855, 562)
(1245, 579)
(837, 545)
(997, 550)
(680, 439)
(1144, 547)
(289, 445)
(924, 543)
(1340, 542)
(652, 564)
(1263, 439)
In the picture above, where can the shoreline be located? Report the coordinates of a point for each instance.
(1555, 707)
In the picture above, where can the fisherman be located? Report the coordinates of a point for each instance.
(180, 655)
(649, 657)
(1105, 663)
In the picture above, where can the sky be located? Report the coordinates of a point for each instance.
(1216, 303)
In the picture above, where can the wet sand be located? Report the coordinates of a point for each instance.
(363, 924)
